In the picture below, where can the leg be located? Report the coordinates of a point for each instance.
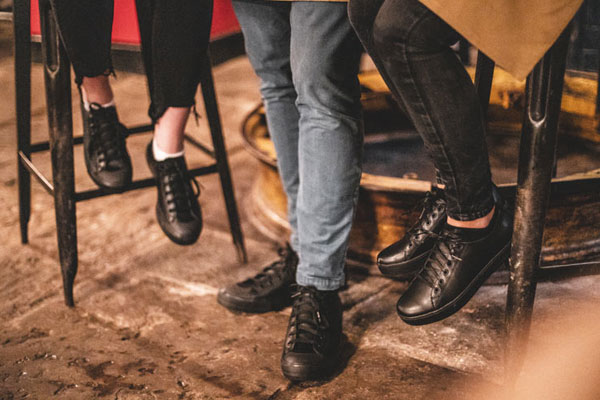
(413, 45)
(22, 56)
(325, 56)
(536, 160)
(266, 30)
(85, 31)
(330, 138)
(174, 42)
(58, 98)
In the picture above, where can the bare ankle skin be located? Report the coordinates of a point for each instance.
(97, 89)
(169, 129)
(479, 223)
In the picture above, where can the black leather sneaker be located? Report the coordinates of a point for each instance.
(454, 270)
(312, 340)
(106, 157)
(404, 258)
(177, 209)
(270, 290)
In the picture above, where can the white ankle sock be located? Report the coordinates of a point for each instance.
(86, 103)
(160, 155)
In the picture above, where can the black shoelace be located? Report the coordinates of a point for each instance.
(442, 259)
(275, 272)
(107, 135)
(431, 209)
(178, 191)
(306, 322)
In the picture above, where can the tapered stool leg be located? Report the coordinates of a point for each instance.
(58, 99)
(484, 75)
(536, 160)
(214, 122)
(22, 54)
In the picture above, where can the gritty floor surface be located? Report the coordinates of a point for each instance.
(147, 324)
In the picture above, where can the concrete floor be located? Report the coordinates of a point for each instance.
(147, 325)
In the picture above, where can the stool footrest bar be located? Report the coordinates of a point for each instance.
(26, 162)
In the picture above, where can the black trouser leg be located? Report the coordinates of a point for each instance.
(411, 46)
(85, 29)
(175, 38)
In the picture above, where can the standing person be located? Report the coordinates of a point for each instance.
(307, 57)
(174, 39)
(464, 232)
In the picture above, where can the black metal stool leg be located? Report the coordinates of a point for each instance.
(21, 21)
(57, 76)
(484, 75)
(536, 159)
(214, 122)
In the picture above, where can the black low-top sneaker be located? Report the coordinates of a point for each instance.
(312, 341)
(404, 258)
(105, 152)
(269, 290)
(177, 209)
(455, 269)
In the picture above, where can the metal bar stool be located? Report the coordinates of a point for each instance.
(58, 99)
(537, 161)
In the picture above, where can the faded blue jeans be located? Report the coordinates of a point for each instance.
(307, 56)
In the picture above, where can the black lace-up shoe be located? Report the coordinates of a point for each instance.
(404, 258)
(106, 157)
(312, 340)
(269, 290)
(177, 210)
(454, 271)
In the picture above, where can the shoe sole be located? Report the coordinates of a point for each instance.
(298, 373)
(405, 270)
(466, 295)
(238, 305)
(163, 226)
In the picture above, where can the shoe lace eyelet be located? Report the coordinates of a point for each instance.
(446, 271)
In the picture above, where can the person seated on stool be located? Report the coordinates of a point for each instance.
(464, 231)
(174, 41)
(307, 57)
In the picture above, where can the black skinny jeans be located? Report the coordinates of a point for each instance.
(410, 46)
(174, 37)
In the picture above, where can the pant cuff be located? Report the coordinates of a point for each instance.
(320, 283)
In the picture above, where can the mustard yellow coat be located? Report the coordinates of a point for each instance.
(514, 33)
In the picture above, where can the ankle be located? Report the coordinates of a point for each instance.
(96, 90)
(479, 223)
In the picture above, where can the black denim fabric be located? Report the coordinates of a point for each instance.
(174, 37)
(411, 48)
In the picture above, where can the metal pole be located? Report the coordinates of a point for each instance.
(22, 45)
(57, 76)
(536, 160)
(214, 122)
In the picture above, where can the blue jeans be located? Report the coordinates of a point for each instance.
(307, 56)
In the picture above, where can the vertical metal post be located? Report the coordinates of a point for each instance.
(214, 122)
(22, 54)
(536, 159)
(57, 77)
(484, 75)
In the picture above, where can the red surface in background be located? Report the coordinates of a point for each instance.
(125, 26)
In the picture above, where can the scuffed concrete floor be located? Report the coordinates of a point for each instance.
(147, 325)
